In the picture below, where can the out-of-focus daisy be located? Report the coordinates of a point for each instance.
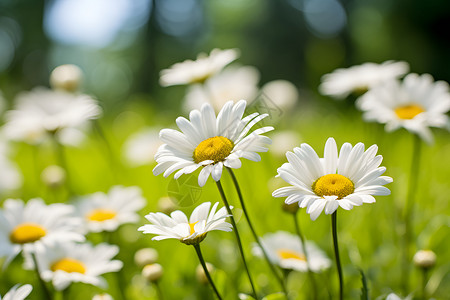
(191, 231)
(282, 141)
(106, 212)
(232, 84)
(198, 71)
(341, 82)
(18, 293)
(29, 226)
(66, 78)
(281, 93)
(285, 250)
(10, 176)
(140, 148)
(347, 180)
(64, 263)
(102, 296)
(44, 112)
(210, 142)
(415, 104)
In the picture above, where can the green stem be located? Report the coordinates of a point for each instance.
(205, 269)
(336, 254)
(41, 282)
(255, 236)
(158, 290)
(236, 233)
(310, 274)
(424, 283)
(409, 212)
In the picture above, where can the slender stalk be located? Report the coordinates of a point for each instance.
(409, 213)
(236, 233)
(205, 269)
(424, 283)
(310, 274)
(158, 290)
(62, 161)
(336, 254)
(41, 282)
(255, 236)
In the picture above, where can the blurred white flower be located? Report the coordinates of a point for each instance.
(424, 259)
(141, 147)
(282, 93)
(211, 142)
(283, 141)
(64, 263)
(30, 226)
(106, 212)
(191, 231)
(102, 296)
(53, 176)
(66, 77)
(232, 84)
(285, 250)
(43, 112)
(415, 104)
(198, 71)
(341, 82)
(18, 293)
(393, 296)
(323, 184)
(145, 256)
(152, 272)
(10, 175)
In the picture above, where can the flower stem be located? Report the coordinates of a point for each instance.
(424, 283)
(336, 254)
(41, 282)
(158, 290)
(255, 236)
(236, 233)
(205, 269)
(62, 161)
(310, 274)
(409, 212)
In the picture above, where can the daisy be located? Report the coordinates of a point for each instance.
(106, 212)
(64, 263)
(140, 148)
(43, 112)
(30, 226)
(200, 70)
(66, 77)
(211, 142)
(189, 232)
(233, 83)
(341, 82)
(18, 293)
(285, 250)
(415, 104)
(350, 179)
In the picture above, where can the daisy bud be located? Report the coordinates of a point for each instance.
(66, 77)
(145, 256)
(425, 259)
(290, 208)
(152, 272)
(53, 176)
(103, 296)
(166, 205)
(200, 273)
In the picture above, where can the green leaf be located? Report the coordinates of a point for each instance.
(276, 296)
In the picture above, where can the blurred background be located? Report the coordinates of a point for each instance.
(121, 45)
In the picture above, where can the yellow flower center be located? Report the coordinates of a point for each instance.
(289, 254)
(216, 149)
(191, 225)
(101, 215)
(409, 111)
(26, 233)
(333, 185)
(68, 265)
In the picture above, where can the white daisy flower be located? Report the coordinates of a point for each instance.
(140, 148)
(285, 250)
(191, 231)
(414, 104)
(282, 141)
(198, 71)
(341, 82)
(29, 226)
(64, 263)
(210, 142)
(106, 212)
(232, 84)
(18, 293)
(43, 112)
(347, 180)
(282, 93)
